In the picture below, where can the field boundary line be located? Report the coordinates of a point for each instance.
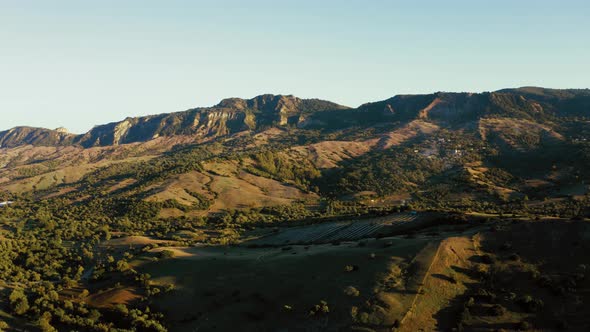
(434, 258)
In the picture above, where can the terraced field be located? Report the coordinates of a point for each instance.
(337, 231)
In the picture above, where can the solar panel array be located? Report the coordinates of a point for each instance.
(336, 231)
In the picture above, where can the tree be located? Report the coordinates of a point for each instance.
(45, 323)
(352, 291)
(19, 301)
(122, 266)
(166, 254)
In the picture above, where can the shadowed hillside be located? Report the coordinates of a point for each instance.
(438, 212)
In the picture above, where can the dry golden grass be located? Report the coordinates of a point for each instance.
(235, 189)
(236, 193)
(452, 255)
(71, 163)
(509, 130)
(222, 168)
(328, 154)
(409, 131)
(134, 240)
(114, 296)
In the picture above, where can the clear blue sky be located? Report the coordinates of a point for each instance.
(80, 63)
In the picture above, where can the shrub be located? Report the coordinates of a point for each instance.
(84, 294)
(497, 310)
(363, 318)
(530, 304)
(464, 316)
(19, 301)
(523, 326)
(485, 295)
(45, 323)
(320, 309)
(352, 291)
(166, 254)
(121, 308)
(354, 312)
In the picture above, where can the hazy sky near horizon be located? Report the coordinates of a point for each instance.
(80, 63)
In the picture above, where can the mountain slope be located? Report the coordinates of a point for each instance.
(436, 149)
(262, 112)
(20, 136)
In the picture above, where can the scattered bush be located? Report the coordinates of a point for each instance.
(354, 312)
(497, 310)
(351, 268)
(485, 295)
(319, 309)
(18, 301)
(530, 304)
(352, 291)
(464, 316)
(166, 254)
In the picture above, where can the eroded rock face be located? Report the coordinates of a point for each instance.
(120, 131)
(19, 136)
(262, 112)
(229, 116)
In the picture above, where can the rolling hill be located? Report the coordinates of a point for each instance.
(282, 149)
(436, 212)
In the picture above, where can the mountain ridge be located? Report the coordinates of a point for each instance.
(232, 115)
(272, 150)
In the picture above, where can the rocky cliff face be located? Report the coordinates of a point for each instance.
(279, 110)
(234, 115)
(229, 116)
(19, 136)
(526, 103)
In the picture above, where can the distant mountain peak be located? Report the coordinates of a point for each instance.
(265, 102)
(24, 135)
